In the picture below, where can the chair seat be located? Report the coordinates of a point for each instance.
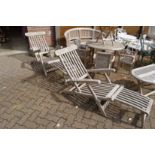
(118, 93)
(55, 62)
(102, 90)
(127, 60)
(135, 99)
(50, 60)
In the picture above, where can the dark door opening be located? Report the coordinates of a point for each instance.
(14, 38)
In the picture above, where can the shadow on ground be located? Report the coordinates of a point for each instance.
(54, 81)
(114, 111)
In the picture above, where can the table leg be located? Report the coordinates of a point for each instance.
(141, 90)
(150, 93)
(140, 87)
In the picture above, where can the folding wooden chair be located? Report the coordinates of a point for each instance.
(98, 90)
(43, 53)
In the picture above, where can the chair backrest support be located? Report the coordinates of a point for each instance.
(37, 41)
(72, 62)
(103, 59)
(80, 33)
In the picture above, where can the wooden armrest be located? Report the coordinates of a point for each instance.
(113, 59)
(84, 81)
(53, 60)
(43, 52)
(126, 55)
(102, 70)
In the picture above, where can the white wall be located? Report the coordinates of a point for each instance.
(151, 31)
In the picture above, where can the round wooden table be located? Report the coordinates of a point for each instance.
(107, 45)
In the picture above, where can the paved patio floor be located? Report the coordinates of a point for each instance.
(29, 100)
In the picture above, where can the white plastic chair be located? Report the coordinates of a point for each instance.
(145, 75)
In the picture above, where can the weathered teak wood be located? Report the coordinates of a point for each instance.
(103, 60)
(39, 46)
(116, 46)
(80, 33)
(37, 41)
(108, 92)
(80, 36)
(128, 57)
(145, 74)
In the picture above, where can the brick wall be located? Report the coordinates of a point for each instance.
(50, 33)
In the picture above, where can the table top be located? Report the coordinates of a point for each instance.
(145, 73)
(107, 45)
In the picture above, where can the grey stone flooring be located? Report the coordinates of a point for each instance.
(30, 100)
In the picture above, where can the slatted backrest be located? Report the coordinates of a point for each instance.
(103, 59)
(74, 34)
(37, 41)
(71, 34)
(72, 62)
(80, 33)
(86, 33)
(97, 34)
(89, 33)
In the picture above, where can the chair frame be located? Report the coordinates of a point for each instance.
(43, 53)
(99, 64)
(132, 55)
(81, 34)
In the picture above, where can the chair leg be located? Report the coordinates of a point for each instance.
(140, 87)
(45, 72)
(151, 59)
(103, 107)
(141, 59)
(143, 119)
(107, 77)
(138, 59)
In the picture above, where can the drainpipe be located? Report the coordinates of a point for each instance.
(53, 37)
(57, 35)
(141, 31)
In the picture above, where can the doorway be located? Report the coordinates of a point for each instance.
(13, 38)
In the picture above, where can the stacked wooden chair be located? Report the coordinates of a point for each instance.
(98, 90)
(128, 57)
(43, 53)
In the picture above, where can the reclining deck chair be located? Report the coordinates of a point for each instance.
(43, 53)
(100, 91)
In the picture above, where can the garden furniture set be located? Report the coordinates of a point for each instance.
(72, 61)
